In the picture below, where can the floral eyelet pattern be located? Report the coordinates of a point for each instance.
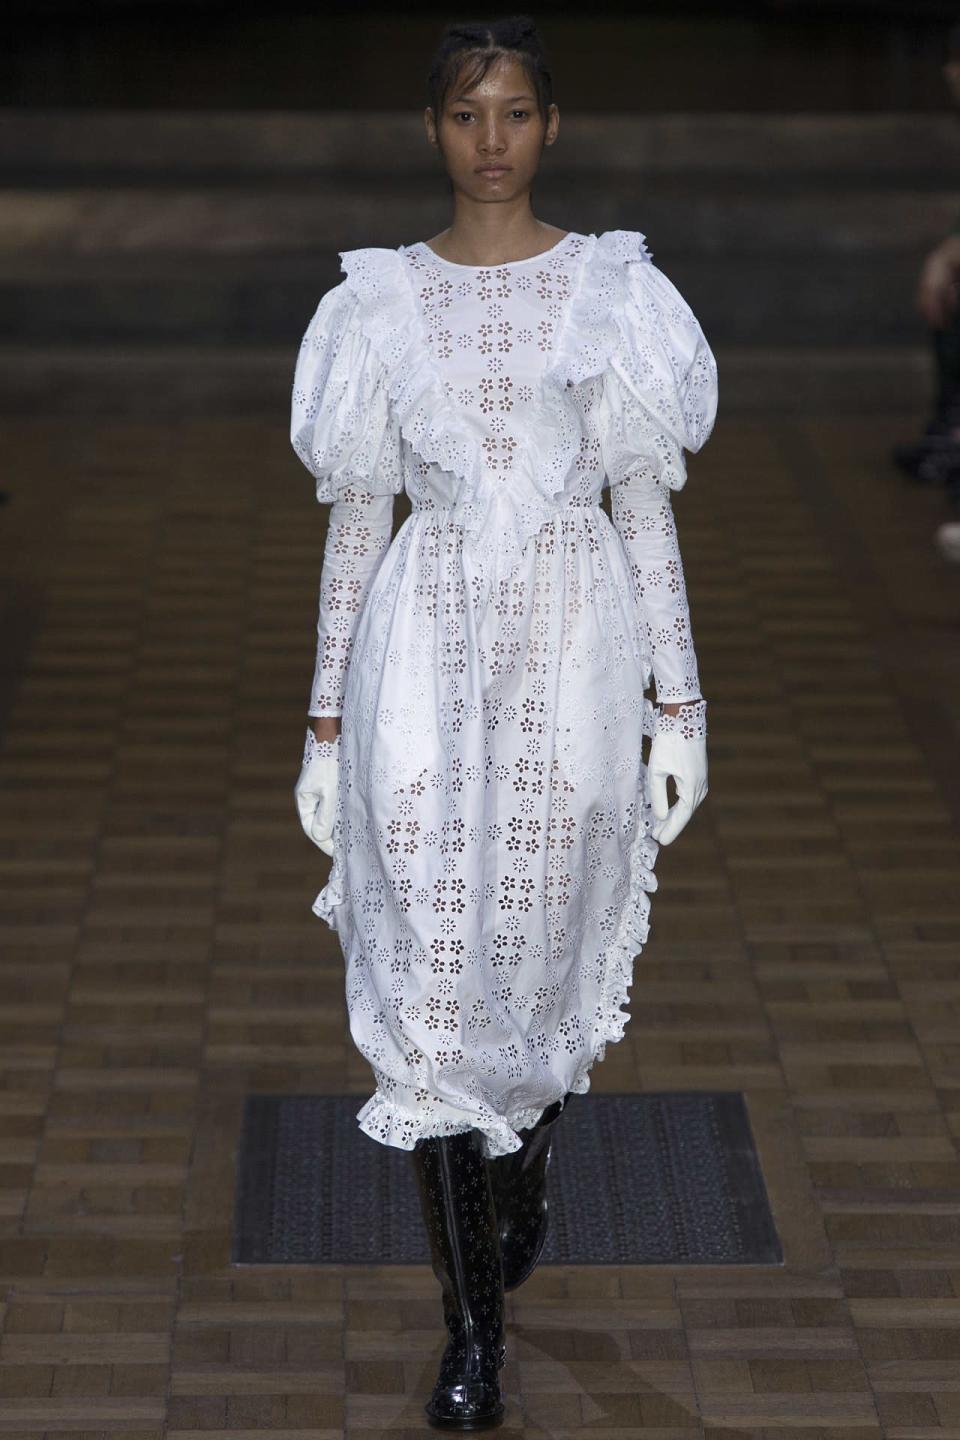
(314, 749)
(493, 857)
(690, 723)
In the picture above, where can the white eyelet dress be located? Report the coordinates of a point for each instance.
(493, 862)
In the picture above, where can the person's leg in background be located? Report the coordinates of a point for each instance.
(940, 462)
(935, 457)
(943, 467)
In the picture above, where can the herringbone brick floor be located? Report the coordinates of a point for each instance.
(160, 960)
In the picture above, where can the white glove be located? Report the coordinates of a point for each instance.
(679, 748)
(316, 789)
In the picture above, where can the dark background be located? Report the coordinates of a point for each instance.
(177, 181)
(805, 55)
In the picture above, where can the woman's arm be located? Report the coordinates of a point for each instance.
(358, 535)
(642, 512)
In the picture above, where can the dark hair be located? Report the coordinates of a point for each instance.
(953, 41)
(478, 46)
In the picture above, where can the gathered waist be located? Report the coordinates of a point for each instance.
(445, 512)
(494, 539)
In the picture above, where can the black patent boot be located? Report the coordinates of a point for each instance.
(519, 1183)
(457, 1202)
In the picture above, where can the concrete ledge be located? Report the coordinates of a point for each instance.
(64, 141)
(194, 380)
(770, 302)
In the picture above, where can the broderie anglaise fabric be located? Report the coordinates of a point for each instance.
(493, 857)
(314, 749)
(358, 533)
(690, 723)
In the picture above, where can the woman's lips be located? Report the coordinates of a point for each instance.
(495, 172)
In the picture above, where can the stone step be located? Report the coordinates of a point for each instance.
(224, 229)
(41, 145)
(762, 217)
(191, 380)
(241, 300)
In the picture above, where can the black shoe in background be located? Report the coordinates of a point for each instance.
(908, 453)
(927, 459)
(941, 465)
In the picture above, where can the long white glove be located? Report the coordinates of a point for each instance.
(316, 789)
(679, 748)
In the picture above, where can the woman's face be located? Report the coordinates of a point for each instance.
(495, 123)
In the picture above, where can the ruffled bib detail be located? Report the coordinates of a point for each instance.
(497, 519)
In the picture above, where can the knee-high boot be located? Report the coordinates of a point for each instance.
(457, 1202)
(520, 1196)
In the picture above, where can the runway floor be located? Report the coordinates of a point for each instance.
(160, 960)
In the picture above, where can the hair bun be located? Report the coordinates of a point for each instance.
(526, 27)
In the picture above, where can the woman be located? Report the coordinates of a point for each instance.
(475, 771)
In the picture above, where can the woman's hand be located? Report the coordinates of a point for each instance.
(679, 748)
(316, 789)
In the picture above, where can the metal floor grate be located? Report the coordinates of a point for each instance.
(645, 1179)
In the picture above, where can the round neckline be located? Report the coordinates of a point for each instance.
(501, 265)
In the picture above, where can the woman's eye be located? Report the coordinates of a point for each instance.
(468, 114)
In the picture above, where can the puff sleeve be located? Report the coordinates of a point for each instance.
(659, 398)
(342, 425)
(343, 429)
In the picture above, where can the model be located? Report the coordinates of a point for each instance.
(473, 761)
